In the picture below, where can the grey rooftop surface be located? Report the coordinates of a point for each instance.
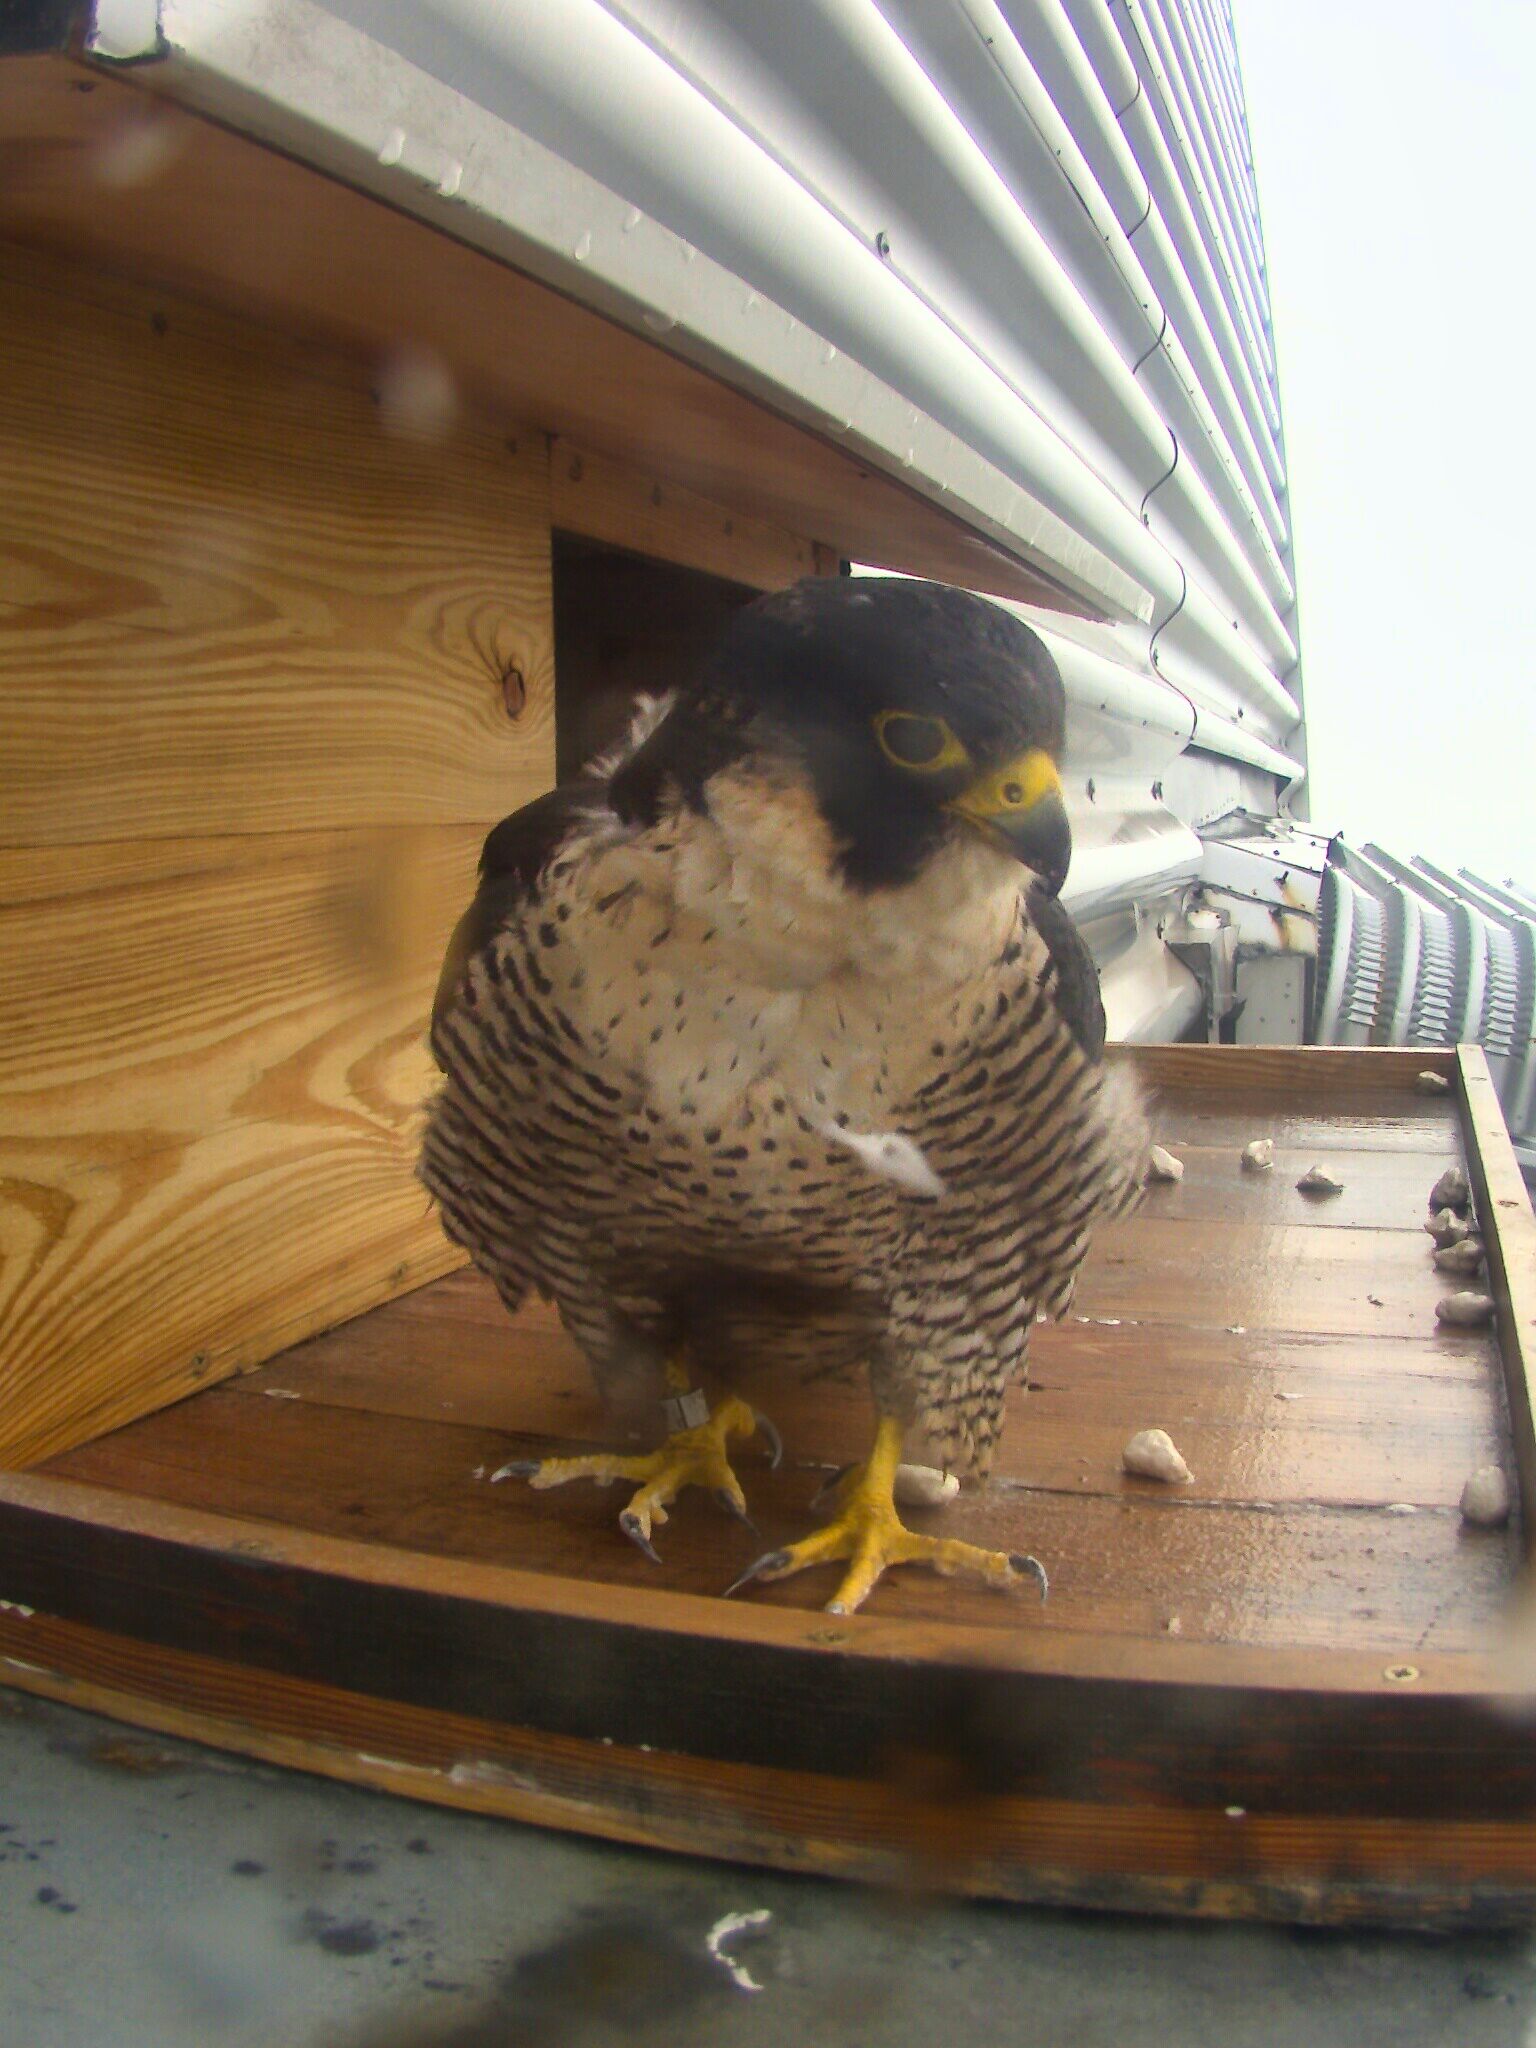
(154, 1894)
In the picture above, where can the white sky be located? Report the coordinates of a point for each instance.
(1395, 148)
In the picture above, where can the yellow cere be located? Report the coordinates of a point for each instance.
(1017, 786)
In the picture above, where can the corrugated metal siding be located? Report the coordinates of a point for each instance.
(1044, 178)
(1410, 955)
(1008, 249)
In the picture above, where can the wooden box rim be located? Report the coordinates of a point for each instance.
(1400, 1793)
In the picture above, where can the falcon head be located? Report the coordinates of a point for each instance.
(911, 714)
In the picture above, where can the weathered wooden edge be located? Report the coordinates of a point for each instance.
(604, 500)
(1509, 1239)
(1211, 1862)
(1017, 1648)
(1029, 1716)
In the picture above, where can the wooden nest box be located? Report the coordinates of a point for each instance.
(328, 540)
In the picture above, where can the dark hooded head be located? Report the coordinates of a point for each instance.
(913, 712)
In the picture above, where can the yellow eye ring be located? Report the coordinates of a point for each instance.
(917, 744)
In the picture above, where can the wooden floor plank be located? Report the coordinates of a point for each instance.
(1228, 1118)
(1257, 1418)
(1378, 1080)
(1383, 1190)
(1253, 1276)
(1293, 1575)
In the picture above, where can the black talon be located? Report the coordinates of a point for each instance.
(1022, 1562)
(731, 1508)
(520, 1468)
(630, 1524)
(775, 1441)
(770, 1561)
(830, 1484)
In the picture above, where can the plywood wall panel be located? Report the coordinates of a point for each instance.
(257, 609)
(211, 1075)
(249, 585)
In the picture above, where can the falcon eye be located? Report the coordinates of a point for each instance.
(925, 745)
(1013, 792)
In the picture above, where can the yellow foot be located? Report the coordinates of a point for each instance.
(868, 1531)
(689, 1457)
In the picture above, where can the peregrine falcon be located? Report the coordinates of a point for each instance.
(768, 1048)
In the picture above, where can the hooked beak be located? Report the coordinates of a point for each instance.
(1019, 807)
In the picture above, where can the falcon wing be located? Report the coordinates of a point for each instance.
(514, 857)
(1077, 979)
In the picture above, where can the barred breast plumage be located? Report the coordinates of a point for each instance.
(723, 1096)
(884, 1163)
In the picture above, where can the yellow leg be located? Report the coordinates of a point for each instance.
(868, 1531)
(691, 1456)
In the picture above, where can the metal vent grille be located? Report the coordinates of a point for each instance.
(1411, 955)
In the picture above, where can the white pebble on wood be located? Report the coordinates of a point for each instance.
(1317, 1180)
(1466, 1257)
(1153, 1454)
(1430, 1083)
(924, 1486)
(1446, 1227)
(1466, 1310)
(1162, 1165)
(1485, 1498)
(1260, 1155)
